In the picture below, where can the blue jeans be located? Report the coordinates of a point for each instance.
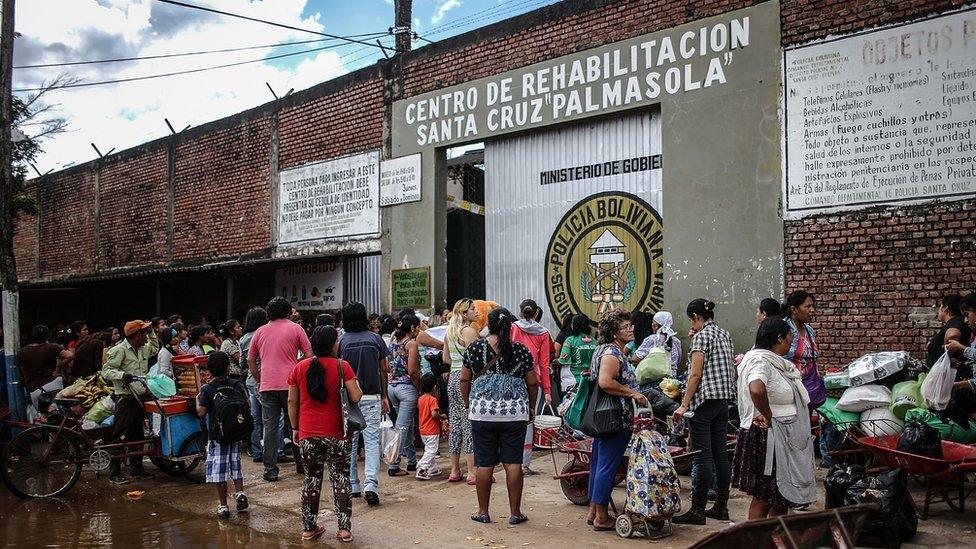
(829, 437)
(257, 434)
(403, 398)
(713, 487)
(371, 438)
(605, 458)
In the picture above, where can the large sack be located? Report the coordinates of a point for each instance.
(652, 482)
(920, 439)
(905, 396)
(838, 480)
(654, 367)
(948, 431)
(878, 422)
(874, 366)
(864, 397)
(896, 521)
(841, 419)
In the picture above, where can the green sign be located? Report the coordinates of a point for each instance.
(411, 288)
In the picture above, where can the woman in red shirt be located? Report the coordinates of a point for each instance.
(315, 409)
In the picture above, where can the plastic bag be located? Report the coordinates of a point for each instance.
(670, 387)
(921, 439)
(661, 403)
(160, 385)
(896, 521)
(389, 440)
(905, 396)
(858, 399)
(654, 367)
(841, 419)
(101, 410)
(837, 380)
(874, 366)
(838, 481)
(937, 387)
(574, 417)
(948, 431)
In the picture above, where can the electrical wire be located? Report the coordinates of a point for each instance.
(500, 9)
(192, 53)
(266, 22)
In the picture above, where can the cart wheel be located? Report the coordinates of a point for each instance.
(28, 475)
(624, 525)
(194, 444)
(171, 468)
(655, 525)
(575, 489)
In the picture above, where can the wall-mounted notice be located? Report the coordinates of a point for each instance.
(331, 199)
(314, 287)
(411, 288)
(400, 180)
(883, 117)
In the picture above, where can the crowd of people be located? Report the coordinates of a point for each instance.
(483, 373)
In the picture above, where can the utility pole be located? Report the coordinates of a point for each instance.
(403, 18)
(8, 264)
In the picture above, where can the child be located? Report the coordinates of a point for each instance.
(223, 460)
(430, 417)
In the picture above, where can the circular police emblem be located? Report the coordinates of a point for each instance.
(606, 253)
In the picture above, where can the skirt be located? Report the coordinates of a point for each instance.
(748, 465)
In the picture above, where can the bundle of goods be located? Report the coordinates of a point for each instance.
(920, 439)
(88, 390)
(874, 367)
(948, 430)
(894, 523)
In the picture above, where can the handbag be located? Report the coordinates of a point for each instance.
(574, 416)
(604, 415)
(352, 417)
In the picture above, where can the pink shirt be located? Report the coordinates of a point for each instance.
(277, 344)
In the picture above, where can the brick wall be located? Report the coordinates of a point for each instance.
(66, 205)
(133, 206)
(348, 121)
(806, 20)
(221, 193)
(25, 247)
(874, 273)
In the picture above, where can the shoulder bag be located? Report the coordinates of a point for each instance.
(604, 414)
(352, 416)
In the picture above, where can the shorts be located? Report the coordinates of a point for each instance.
(223, 462)
(497, 442)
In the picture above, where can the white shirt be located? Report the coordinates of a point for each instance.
(756, 366)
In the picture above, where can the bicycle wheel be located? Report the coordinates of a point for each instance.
(28, 474)
(194, 444)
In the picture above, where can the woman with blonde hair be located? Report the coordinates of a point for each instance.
(460, 334)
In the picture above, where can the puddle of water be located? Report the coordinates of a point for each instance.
(87, 517)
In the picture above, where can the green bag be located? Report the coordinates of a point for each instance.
(574, 417)
(949, 431)
(905, 396)
(655, 366)
(841, 419)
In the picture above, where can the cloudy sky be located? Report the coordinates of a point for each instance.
(122, 115)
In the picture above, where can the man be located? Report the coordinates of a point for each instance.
(128, 359)
(366, 354)
(278, 345)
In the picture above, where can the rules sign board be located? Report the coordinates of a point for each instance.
(400, 180)
(883, 117)
(331, 199)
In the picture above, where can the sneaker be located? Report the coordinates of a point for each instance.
(223, 512)
(411, 468)
(357, 494)
(118, 478)
(371, 497)
(270, 476)
(258, 459)
(286, 459)
(242, 502)
(423, 475)
(434, 473)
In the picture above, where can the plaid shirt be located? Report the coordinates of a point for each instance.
(718, 372)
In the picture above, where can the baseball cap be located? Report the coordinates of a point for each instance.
(134, 326)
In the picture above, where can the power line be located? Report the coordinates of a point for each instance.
(190, 71)
(190, 53)
(501, 8)
(256, 20)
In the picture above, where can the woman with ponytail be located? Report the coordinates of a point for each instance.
(498, 384)
(460, 334)
(315, 411)
(537, 340)
(404, 389)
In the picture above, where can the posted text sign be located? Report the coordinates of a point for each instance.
(330, 199)
(883, 117)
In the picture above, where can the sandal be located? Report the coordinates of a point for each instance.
(472, 481)
(344, 539)
(397, 473)
(517, 519)
(598, 528)
(484, 519)
(455, 478)
(309, 536)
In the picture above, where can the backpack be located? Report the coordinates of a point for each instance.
(230, 417)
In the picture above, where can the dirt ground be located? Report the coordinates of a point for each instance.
(435, 513)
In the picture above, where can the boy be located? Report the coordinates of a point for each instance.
(430, 417)
(223, 460)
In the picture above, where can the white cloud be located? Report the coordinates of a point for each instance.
(125, 115)
(442, 10)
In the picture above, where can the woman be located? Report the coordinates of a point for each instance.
(315, 406)
(711, 385)
(642, 330)
(768, 308)
(231, 332)
(169, 347)
(576, 354)
(773, 399)
(73, 334)
(116, 335)
(535, 337)
(460, 334)
(388, 325)
(201, 338)
(499, 402)
(404, 388)
(611, 370)
(88, 357)
(662, 326)
(968, 308)
(255, 318)
(954, 328)
(564, 332)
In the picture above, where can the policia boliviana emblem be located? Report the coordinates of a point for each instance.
(606, 253)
